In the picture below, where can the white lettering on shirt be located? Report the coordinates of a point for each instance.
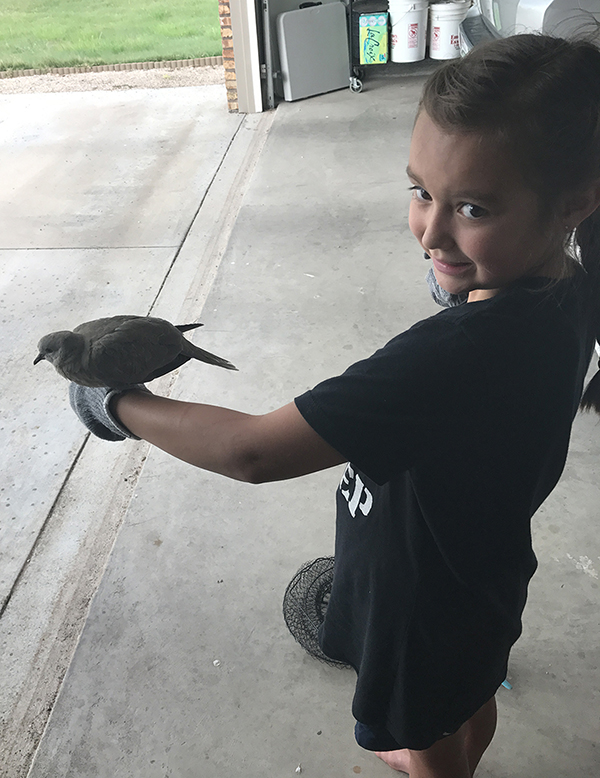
(356, 493)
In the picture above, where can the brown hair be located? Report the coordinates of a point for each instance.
(540, 97)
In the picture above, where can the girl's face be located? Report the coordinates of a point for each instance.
(473, 214)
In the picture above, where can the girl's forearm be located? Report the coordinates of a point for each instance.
(206, 436)
(271, 447)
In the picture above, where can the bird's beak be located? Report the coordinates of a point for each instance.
(38, 359)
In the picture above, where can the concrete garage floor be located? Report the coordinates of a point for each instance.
(99, 208)
(185, 667)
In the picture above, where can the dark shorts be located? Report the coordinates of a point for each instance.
(377, 738)
(374, 738)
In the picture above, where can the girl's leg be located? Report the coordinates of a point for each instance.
(397, 760)
(448, 758)
(455, 756)
(480, 731)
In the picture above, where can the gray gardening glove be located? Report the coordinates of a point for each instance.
(92, 406)
(441, 296)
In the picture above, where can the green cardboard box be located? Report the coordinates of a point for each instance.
(373, 38)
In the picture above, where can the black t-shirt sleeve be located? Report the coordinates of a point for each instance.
(386, 412)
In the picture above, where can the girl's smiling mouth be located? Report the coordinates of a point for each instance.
(450, 268)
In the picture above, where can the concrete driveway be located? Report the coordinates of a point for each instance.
(100, 214)
(185, 668)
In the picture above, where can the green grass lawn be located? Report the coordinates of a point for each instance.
(66, 33)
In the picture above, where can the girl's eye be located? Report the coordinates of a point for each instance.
(472, 211)
(420, 193)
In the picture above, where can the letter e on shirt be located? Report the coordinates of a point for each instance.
(356, 493)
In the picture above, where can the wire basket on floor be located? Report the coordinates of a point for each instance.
(304, 605)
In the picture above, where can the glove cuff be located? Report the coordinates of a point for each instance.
(112, 419)
(92, 406)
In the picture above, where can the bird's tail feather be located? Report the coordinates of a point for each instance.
(186, 327)
(211, 359)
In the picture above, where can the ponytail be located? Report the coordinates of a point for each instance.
(588, 240)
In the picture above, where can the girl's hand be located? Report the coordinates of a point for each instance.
(92, 406)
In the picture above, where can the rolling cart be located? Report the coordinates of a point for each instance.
(368, 38)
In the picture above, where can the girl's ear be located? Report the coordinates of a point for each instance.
(581, 204)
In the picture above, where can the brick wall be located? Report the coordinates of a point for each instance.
(228, 58)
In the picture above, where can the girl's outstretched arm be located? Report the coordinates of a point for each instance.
(271, 447)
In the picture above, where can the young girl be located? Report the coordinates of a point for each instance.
(457, 430)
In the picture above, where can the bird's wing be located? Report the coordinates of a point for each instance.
(179, 360)
(134, 350)
(100, 327)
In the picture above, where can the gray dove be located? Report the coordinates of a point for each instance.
(122, 350)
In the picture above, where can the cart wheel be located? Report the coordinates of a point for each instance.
(356, 85)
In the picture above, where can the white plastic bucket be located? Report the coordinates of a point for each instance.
(444, 20)
(408, 20)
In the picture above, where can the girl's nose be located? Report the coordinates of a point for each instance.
(438, 233)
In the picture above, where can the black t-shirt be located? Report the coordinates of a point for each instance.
(456, 431)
